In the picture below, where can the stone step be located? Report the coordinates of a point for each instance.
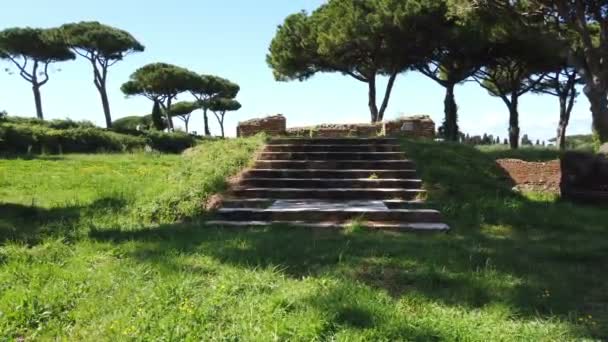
(264, 203)
(334, 141)
(331, 148)
(328, 193)
(319, 214)
(331, 182)
(335, 164)
(311, 173)
(396, 226)
(332, 156)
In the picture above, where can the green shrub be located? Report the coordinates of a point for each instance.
(67, 123)
(170, 142)
(18, 139)
(55, 123)
(131, 123)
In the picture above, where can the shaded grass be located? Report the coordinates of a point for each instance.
(514, 268)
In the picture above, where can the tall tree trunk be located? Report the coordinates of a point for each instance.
(564, 118)
(387, 96)
(222, 126)
(451, 113)
(186, 121)
(597, 96)
(373, 108)
(206, 121)
(99, 79)
(38, 101)
(168, 115)
(106, 105)
(514, 122)
(36, 90)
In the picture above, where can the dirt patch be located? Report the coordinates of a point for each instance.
(533, 176)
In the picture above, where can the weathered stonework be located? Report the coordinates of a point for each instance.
(420, 126)
(271, 125)
(335, 131)
(414, 126)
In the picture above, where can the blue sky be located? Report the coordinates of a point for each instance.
(230, 38)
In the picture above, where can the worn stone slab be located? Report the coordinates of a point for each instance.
(304, 205)
(419, 227)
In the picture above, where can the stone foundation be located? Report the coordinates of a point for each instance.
(271, 125)
(420, 126)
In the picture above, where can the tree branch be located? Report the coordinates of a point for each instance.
(46, 74)
(81, 54)
(531, 85)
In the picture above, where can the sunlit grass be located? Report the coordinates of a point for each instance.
(514, 267)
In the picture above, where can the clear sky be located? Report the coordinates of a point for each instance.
(230, 38)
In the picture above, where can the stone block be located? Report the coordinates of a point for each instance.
(271, 125)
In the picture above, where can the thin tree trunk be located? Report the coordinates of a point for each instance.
(373, 108)
(222, 125)
(564, 117)
(99, 79)
(106, 106)
(38, 101)
(186, 121)
(514, 122)
(206, 121)
(451, 113)
(561, 135)
(597, 96)
(36, 91)
(387, 96)
(168, 115)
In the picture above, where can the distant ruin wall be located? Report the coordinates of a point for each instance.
(271, 125)
(420, 126)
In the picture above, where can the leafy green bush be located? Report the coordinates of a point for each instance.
(19, 138)
(131, 123)
(170, 142)
(36, 138)
(55, 123)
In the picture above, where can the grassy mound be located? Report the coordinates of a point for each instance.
(514, 268)
(65, 196)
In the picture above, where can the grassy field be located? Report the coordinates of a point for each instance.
(86, 264)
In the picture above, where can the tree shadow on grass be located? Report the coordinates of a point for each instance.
(537, 258)
(30, 224)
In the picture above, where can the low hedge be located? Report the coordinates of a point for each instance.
(40, 138)
(55, 123)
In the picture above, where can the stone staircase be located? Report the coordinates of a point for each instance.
(329, 182)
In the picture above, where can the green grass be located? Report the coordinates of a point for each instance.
(527, 153)
(514, 268)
